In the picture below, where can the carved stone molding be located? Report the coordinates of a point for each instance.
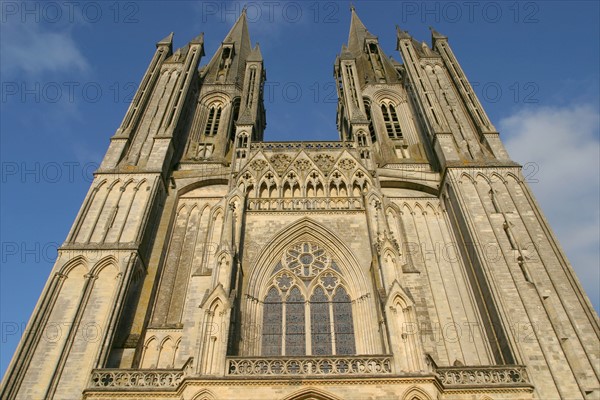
(258, 165)
(483, 376)
(280, 162)
(369, 365)
(324, 162)
(305, 204)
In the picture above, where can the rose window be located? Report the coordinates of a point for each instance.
(306, 260)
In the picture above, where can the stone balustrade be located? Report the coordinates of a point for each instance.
(482, 376)
(332, 365)
(290, 146)
(305, 204)
(377, 365)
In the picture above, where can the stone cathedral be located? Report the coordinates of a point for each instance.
(407, 261)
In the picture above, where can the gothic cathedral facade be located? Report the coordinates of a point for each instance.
(408, 260)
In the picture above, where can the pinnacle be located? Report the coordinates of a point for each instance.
(198, 39)
(167, 41)
(436, 35)
(402, 34)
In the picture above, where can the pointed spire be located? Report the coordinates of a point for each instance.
(358, 33)
(236, 48)
(239, 33)
(167, 41)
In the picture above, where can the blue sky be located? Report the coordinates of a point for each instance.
(68, 71)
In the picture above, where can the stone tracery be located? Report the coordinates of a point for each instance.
(307, 309)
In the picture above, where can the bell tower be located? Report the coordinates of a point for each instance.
(374, 110)
(229, 96)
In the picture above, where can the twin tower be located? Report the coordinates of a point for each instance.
(408, 260)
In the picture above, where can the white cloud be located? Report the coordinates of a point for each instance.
(30, 48)
(560, 150)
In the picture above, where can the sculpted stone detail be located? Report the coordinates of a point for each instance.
(324, 162)
(487, 375)
(306, 259)
(347, 164)
(139, 379)
(310, 204)
(258, 165)
(302, 164)
(280, 162)
(239, 366)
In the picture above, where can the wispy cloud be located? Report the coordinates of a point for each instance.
(33, 49)
(560, 149)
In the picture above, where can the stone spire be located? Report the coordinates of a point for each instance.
(372, 64)
(228, 62)
(358, 33)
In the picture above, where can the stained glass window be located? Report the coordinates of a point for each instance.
(320, 328)
(295, 340)
(344, 326)
(307, 272)
(272, 319)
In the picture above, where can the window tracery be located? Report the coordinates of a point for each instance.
(213, 120)
(307, 309)
(392, 124)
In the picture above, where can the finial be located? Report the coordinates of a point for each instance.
(244, 8)
(352, 9)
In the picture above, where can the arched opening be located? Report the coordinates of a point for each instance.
(390, 118)
(276, 267)
(213, 120)
(293, 326)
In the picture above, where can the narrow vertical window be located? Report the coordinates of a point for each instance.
(376, 61)
(344, 326)
(234, 116)
(371, 127)
(392, 124)
(212, 122)
(295, 339)
(251, 84)
(350, 76)
(320, 328)
(362, 140)
(272, 316)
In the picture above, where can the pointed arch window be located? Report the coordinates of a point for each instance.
(370, 119)
(392, 124)
(375, 57)
(271, 342)
(213, 120)
(234, 117)
(307, 309)
(251, 88)
(362, 139)
(242, 141)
